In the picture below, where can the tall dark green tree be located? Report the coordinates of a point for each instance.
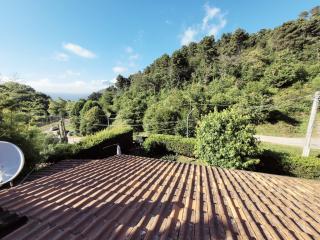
(122, 82)
(75, 114)
(180, 71)
(92, 121)
(315, 12)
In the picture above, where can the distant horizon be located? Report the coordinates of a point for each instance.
(63, 95)
(67, 96)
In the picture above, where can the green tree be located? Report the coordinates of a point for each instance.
(315, 12)
(167, 115)
(238, 40)
(255, 101)
(58, 107)
(31, 105)
(75, 115)
(226, 139)
(131, 108)
(92, 121)
(304, 15)
(87, 106)
(233, 44)
(94, 96)
(253, 64)
(207, 49)
(122, 82)
(180, 71)
(285, 73)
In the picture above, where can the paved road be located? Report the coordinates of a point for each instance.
(298, 142)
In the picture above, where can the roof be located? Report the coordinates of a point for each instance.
(141, 198)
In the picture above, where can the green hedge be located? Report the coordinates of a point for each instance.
(275, 161)
(98, 145)
(272, 160)
(160, 143)
(304, 167)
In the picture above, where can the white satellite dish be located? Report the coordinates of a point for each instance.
(11, 162)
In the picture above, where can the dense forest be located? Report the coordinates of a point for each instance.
(268, 76)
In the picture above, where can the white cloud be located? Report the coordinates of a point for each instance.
(69, 74)
(134, 56)
(62, 57)
(128, 62)
(119, 69)
(71, 87)
(212, 22)
(132, 64)
(129, 49)
(72, 73)
(188, 36)
(4, 78)
(168, 22)
(15, 77)
(78, 50)
(213, 13)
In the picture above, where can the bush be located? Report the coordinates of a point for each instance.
(96, 145)
(102, 136)
(275, 161)
(305, 167)
(160, 143)
(34, 144)
(226, 139)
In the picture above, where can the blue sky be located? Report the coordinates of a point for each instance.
(76, 47)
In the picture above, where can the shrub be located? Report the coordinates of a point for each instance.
(98, 138)
(62, 151)
(160, 143)
(170, 158)
(275, 161)
(95, 145)
(226, 139)
(305, 167)
(31, 140)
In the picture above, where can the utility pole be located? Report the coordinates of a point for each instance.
(306, 148)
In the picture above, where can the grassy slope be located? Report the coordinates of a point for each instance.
(292, 151)
(284, 129)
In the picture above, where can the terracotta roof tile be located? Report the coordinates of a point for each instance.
(128, 197)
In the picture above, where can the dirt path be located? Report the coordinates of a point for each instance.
(297, 142)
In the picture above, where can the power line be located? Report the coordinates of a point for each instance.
(138, 125)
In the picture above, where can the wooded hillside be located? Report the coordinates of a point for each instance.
(271, 75)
